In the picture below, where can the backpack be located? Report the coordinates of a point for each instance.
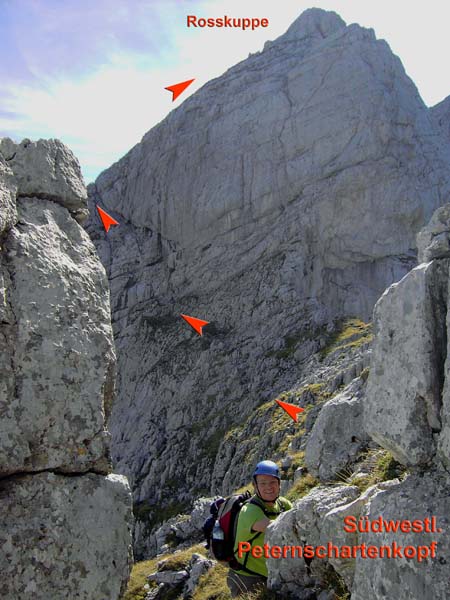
(208, 525)
(220, 528)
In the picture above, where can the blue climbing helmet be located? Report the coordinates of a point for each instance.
(267, 467)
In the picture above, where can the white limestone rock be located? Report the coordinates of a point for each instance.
(403, 397)
(171, 578)
(200, 512)
(418, 497)
(198, 566)
(443, 444)
(440, 114)
(338, 433)
(433, 241)
(64, 537)
(61, 536)
(332, 529)
(299, 526)
(46, 169)
(183, 530)
(8, 218)
(8, 192)
(62, 349)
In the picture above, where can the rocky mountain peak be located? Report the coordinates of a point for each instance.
(314, 23)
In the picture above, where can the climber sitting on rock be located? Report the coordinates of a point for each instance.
(254, 517)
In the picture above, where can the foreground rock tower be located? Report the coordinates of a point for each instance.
(281, 196)
(65, 519)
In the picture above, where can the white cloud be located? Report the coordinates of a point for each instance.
(102, 115)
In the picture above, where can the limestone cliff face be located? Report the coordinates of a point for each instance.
(61, 536)
(282, 195)
(440, 114)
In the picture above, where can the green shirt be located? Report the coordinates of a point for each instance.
(248, 515)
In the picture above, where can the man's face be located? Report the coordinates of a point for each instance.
(269, 487)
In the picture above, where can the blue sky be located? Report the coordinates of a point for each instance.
(93, 72)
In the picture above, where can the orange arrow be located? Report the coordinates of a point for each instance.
(178, 88)
(197, 324)
(107, 220)
(291, 409)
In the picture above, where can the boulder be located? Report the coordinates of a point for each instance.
(433, 241)
(402, 410)
(64, 537)
(338, 433)
(62, 348)
(170, 578)
(300, 526)
(46, 169)
(61, 536)
(200, 512)
(332, 529)
(198, 566)
(184, 530)
(420, 496)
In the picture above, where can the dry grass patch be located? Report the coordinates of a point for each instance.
(350, 333)
(302, 487)
(138, 578)
(213, 585)
(172, 562)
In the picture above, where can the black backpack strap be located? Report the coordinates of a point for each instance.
(263, 508)
(240, 567)
(234, 563)
(237, 566)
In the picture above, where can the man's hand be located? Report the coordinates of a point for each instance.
(261, 525)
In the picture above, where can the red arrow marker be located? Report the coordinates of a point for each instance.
(197, 324)
(291, 409)
(107, 220)
(178, 88)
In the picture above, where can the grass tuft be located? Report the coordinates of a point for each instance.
(350, 333)
(171, 562)
(138, 578)
(385, 469)
(302, 487)
(213, 585)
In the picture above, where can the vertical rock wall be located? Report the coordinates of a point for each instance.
(65, 521)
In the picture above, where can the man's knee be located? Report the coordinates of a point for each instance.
(241, 584)
(234, 584)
